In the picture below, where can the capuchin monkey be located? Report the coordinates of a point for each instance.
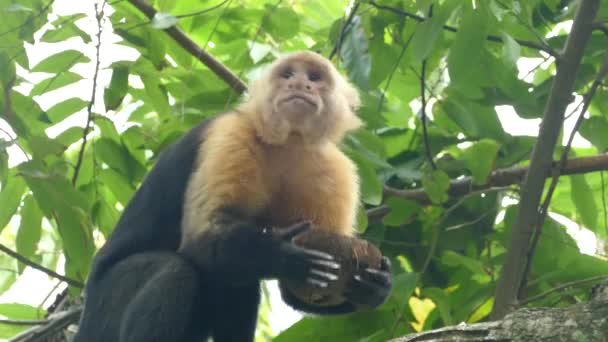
(220, 208)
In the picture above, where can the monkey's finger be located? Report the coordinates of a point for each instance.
(378, 277)
(316, 283)
(326, 276)
(385, 264)
(328, 264)
(294, 230)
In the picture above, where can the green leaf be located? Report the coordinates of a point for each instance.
(402, 211)
(441, 299)
(10, 197)
(594, 129)
(65, 29)
(465, 53)
(429, 31)
(112, 154)
(105, 216)
(283, 23)
(61, 62)
(119, 85)
(481, 160)
(454, 259)
(118, 184)
(3, 167)
(65, 108)
(371, 187)
(584, 201)
(30, 229)
(55, 82)
(510, 50)
(8, 276)
(436, 185)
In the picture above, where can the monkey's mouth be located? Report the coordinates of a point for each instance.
(301, 97)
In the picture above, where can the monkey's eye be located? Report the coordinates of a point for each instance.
(314, 76)
(287, 74)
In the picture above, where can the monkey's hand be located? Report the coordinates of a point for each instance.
(300, 264)
(370, 287)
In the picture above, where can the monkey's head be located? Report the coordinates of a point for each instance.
(302, 95)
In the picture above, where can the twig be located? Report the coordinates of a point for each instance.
(423, 117)
(189, 45)
(503, 177)
(56, 322)
(511, 279)
(201, 12)
(492, 38)
(561, 287)
(99, 14)
(24, 322)
(345, 28)
(38, 267)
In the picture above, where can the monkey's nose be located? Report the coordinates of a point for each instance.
(299, 85)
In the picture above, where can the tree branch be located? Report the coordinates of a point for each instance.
(99, 13)
(56, 323)
(501, 178)
(41, 268)
(189, 45)
(512, 275)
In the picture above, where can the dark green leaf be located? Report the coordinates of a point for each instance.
(119, 85)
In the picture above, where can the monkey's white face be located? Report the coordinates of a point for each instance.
(302, 95)
(300, 90)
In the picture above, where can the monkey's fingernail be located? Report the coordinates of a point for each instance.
(328, 276)
(373, 271)
(317, 283)
(319, 254)
(328, 264)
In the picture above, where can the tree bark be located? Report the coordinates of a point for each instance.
(581, 322)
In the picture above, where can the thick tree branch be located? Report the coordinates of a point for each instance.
(581, 322)
(512, 275)
(504, 177)
(189, 45)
